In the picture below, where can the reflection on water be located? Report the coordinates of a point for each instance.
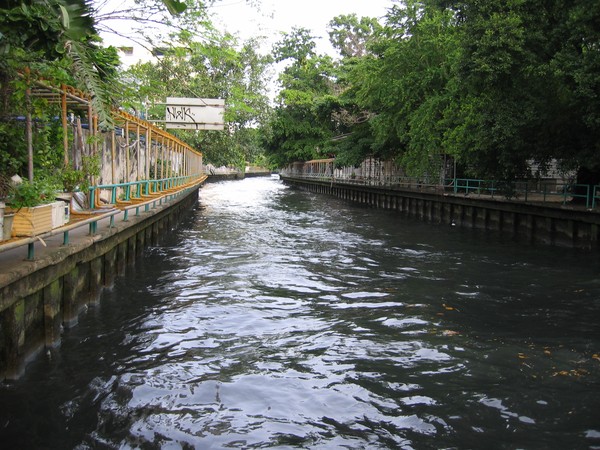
(275, 318)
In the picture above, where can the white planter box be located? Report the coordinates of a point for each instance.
(6, 220)
(7, 227)
(60, 214)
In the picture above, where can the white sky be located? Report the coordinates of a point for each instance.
(270, 18)
(278, 16)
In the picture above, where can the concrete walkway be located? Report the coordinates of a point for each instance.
(49, 248)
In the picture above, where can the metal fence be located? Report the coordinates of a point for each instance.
(551, 191)
(542, 191)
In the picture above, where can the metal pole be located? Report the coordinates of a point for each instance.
(127, 177)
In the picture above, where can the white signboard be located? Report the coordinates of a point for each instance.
(195, 113)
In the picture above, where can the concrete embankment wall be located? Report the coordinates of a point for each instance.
(36, 303)
(526, 222)
(213, 178)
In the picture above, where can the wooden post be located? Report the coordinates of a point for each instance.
(91, 148)
(139, 156)
(63, 104)
(162, 158)
(148, 151)
(156, 160)
(113, 157)
(29, 129)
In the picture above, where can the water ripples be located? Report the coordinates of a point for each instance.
(282, 319)
(285, 325)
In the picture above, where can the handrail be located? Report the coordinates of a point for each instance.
(30, 241)
(142, 188)
(388, 180)
(92, 222)
(565, 191)
(544, 192)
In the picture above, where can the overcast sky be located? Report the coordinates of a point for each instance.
(276, 16)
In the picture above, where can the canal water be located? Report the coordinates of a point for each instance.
(277, 318)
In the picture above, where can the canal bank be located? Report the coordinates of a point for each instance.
(216, 177)
(558, 225)
(40, 296)
(277, 318)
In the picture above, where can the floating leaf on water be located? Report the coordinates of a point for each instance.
(522, 356)
(450, 333)
(547, 352)
(572, 373)
(596, 356)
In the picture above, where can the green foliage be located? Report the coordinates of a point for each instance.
(72, 179)
(220, 68)
(91, 166)
(28, 194)
(352, 36)
(57, 40)
(80, 179)
(174, 6)
(43, 26)
(301, 127)
(298, 45)
(494, 84)
(42, 34)
(13, 153)
(515, 101)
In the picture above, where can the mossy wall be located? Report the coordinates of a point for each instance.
(35, 308)
(531, 223)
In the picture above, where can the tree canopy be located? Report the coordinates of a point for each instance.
(59, 40)
(495, 84)
(216, 68)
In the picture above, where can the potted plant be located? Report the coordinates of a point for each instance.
(32, 205)
(73, 179)
(79, 180)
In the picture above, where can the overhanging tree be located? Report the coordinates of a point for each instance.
(300, 127)
(219, 67)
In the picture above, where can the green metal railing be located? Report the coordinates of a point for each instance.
(137, 189)
(160, 187)
(595, 195)
(529, 191)
(523, 189)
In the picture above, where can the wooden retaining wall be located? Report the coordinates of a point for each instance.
(35, 307)
(527, 222)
